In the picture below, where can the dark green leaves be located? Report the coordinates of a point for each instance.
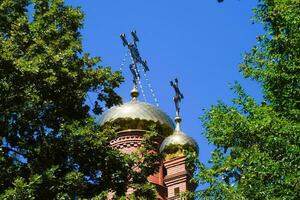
(50, 147)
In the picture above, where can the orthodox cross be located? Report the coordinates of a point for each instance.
(135, 73)
(178, 95)
(135, 55)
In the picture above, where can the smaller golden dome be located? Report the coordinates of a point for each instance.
(178, 138)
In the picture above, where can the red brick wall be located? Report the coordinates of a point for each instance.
(127, 142)
(176, 177)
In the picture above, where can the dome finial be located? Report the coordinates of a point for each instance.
(177, 99)
(177, 121)
(134, 92)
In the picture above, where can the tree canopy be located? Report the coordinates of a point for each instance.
(257, 153)
(50, 146)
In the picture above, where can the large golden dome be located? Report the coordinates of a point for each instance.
(136, 109)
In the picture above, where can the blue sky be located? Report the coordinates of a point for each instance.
(199, 42)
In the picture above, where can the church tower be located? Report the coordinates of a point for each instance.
(174, 173)
(130, 136)
(175, 149)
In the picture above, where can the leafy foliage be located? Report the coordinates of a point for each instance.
(258, 145)
(50, 147)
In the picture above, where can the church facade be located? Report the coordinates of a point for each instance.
(173, 177)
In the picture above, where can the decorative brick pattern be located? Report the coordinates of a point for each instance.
(128, 141)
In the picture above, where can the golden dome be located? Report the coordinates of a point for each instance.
(178, 138)
(136, 109)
